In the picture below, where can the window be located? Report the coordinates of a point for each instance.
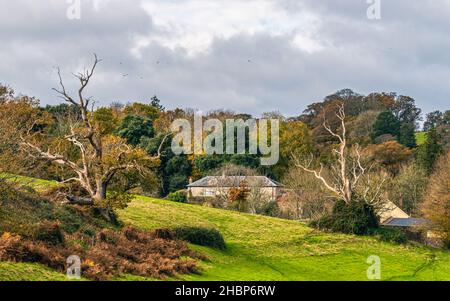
(209, 192)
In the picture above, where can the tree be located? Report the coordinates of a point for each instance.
(99, 157)
(362, 127)
(306, 198)
(106, 120)
(133, 128)
(205, 164)
(405, 110)
(347, 172)
(407, 135)
(17, 114)
(408, 188)
(430, 151)
(176, 174)
(391, 155)
(436, 206)
(433, 119)
(238, 196)
(295, 139)
(156, 103)
(142, 110)
(386, 123)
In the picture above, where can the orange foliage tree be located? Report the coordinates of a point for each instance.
(436, 206)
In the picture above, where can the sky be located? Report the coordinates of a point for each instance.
(249, 56)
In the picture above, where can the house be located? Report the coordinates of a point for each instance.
(392, 216)
(391, 211)
(218, 186)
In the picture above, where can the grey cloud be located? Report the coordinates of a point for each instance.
(407, 51)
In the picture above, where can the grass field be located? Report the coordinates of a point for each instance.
(28, 272)
(421, 138)
(264, 248)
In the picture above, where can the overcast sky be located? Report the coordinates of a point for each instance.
(250, 56)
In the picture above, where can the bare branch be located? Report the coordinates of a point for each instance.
(318, 175)
(162, 145)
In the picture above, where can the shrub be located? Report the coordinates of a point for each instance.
(178, 197)
(390, 235)
(436, 205)
(164, 234)
(270, 209)
(39, 229)
(201, 236)
(50, 232)
(356, 217)
(114, 253)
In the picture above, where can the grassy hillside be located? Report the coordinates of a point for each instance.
(28, 272)
(264, 248)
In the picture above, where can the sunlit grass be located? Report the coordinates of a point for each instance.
(264, 248)
(37, 184)
(421, 138)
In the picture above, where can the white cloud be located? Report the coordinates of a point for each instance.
(193, 25)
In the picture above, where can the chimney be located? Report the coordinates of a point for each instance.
(191, 180)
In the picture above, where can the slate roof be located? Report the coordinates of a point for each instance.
(235, 181)
(405, 222)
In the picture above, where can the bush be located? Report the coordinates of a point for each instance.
(390, 235)
(201, 236)
(270, 209)
(164, 234)
(114, 253)
(353, 218)
(50, 232)
(178, 197)
(39, 229)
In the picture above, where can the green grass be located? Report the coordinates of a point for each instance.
(37, 184)
(421, 138)
(264, 248)
(28, 272)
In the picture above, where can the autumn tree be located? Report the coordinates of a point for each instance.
(238, 196)
(390, 155)
(361, 128)
(99, 156)
(436, 206)
(295, 138)
(19, 113)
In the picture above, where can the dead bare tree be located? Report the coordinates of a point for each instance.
(101, 157)
(349, 170)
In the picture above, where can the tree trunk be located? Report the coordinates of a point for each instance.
(100, 194)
